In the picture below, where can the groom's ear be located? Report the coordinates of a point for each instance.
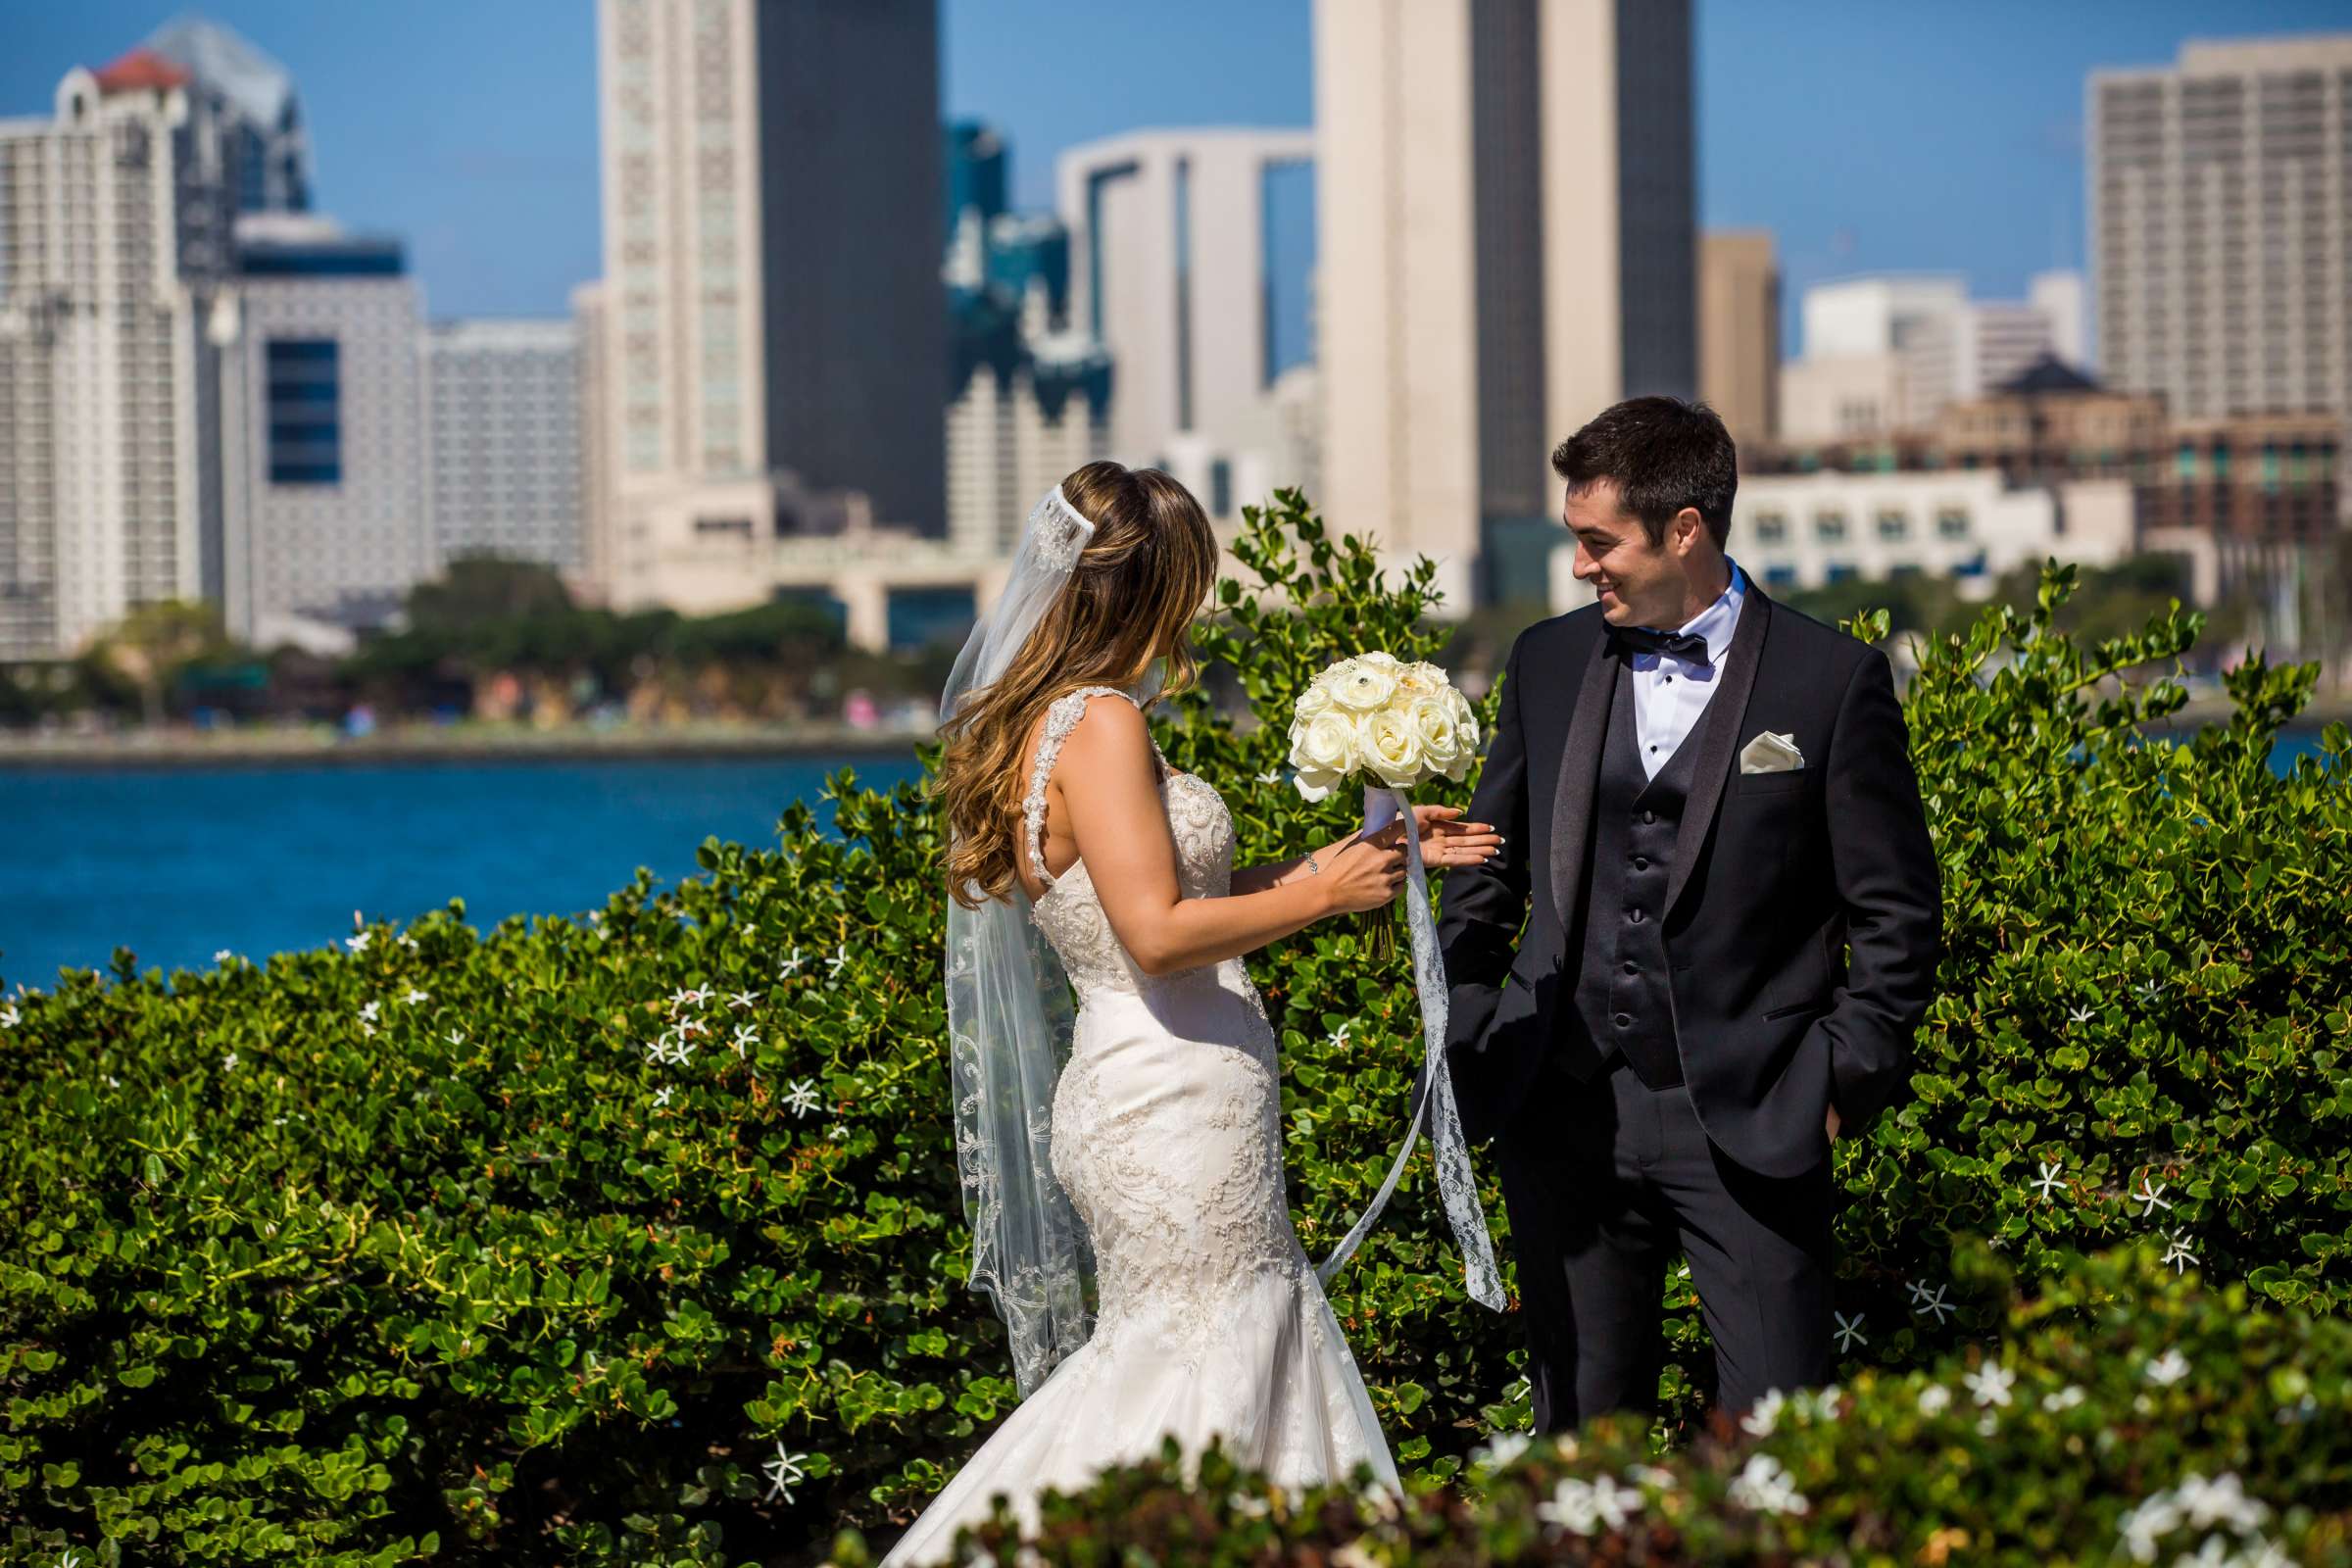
(1683, 531)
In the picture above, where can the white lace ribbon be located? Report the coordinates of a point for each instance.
(1457, 1184)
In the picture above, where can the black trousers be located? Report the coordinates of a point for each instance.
(1605, 1182)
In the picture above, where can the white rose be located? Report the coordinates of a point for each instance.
(1324, 747)
(1392, 747)
(1365, 683)
(1316, 699)
(1433, 722)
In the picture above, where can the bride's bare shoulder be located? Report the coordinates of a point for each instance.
(1109, 730)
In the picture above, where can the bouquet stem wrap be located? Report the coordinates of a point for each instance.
(1457, 1184)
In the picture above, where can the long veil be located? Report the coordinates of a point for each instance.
(1009, 1026)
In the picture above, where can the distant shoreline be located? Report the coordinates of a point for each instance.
(236, 749)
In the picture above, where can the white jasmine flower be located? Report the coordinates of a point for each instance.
(8, 1017)
(1650, 1475)
(2064, 1398)
(1378, 1501)
(803, 1097)
(742, 1000)
(663, 1098)
(1991, 1383)
(1930, 1301)
(2048, 1181)
(792, 965)
(840, 957)
(1339, 1036)
(229, 1061)
(2221, 1500)
(1935, 1399)
(454, 1038)
(1765, 1488)
(1272, 775)
(2166, 1369)
(2149, 992)
(837, 1132)
(1583, 1507)
(414, 997)
(2177, 1254)
(1849, 1330)
(409, 942)
(1504, 1447)
(2151, 1195)
(783, 1472)
(359, 942)
(2150, 1518)
(1764, 1414)
(2081, 1015)
(223, 956)
(746, 1037)
(370, 1012)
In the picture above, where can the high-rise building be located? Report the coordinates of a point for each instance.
(326, 510)
(2221, 227)
(977, 171)
(115, 233)
(1171, 272)
(503, 402)
(1506, 199)
(255, 111)
(594, 578)
(772, 256)
(1740, 330)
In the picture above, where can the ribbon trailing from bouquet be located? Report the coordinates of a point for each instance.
(1457, 1184)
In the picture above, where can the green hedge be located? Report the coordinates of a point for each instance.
(441, 1243)
(2125, 1416)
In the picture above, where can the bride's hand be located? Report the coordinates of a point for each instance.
(1446, 841)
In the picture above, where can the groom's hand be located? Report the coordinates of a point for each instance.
(1831, 1124)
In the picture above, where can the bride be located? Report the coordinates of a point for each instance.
(1138, 1143)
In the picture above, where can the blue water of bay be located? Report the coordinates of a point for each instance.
(179, 864)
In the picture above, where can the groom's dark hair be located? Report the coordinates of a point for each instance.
(1665, 455)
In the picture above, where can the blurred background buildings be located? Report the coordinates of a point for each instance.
(830, 363)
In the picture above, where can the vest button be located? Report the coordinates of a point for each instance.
(1630, 967)
(1641, 862)
(1647, 817)
(1624, 1020)
(1634, 915)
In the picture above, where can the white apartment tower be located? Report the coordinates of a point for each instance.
(326, 503)
(1171, 273)
(1505, 201)
(2221, 227)
(502, 401)
(114, 230)
(774, 313)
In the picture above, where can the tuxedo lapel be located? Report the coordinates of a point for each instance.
(1579, 772)
(1718, 737)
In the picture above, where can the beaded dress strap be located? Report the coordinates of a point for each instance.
(1060, 718)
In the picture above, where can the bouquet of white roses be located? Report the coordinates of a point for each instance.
(1397, 725)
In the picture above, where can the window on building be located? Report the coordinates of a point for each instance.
(1780, 576)
(2184, 461)
(1828, 525)
(305, 390)
(1220, 488)
(1771, 527)
(1841, 572)
(1952, 523)
(1893, 526)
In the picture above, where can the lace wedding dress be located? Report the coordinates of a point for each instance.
(1167, 1136)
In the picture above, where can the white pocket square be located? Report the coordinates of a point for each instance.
(1771, 754)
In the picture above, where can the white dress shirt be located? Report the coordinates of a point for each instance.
(1670, 693)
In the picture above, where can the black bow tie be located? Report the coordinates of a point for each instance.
(1689, 647)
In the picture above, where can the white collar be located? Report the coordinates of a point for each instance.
(1717, 621)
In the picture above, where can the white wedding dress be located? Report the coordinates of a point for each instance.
(1167, 1136)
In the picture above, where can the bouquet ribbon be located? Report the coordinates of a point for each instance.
(1457, 1184)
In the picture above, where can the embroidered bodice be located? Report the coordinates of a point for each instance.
(1067, 909)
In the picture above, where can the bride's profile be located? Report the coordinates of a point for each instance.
(1134, 1144)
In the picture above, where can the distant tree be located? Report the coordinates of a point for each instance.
(480, 590)
(150, 645)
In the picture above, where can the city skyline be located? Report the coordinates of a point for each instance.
(1951, 143)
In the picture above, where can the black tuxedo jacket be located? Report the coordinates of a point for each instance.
(1802, 918)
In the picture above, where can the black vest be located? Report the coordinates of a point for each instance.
(1624, 997)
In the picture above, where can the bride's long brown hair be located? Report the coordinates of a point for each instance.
(1144, 574)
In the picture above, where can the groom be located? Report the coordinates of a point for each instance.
(1707, 800)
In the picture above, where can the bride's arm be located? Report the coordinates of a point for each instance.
(1110, 788)
(1444, 840)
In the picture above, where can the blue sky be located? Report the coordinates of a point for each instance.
(1864, 135)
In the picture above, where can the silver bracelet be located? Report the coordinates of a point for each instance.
(1312, 868)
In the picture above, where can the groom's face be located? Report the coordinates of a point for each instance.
(1640, 580)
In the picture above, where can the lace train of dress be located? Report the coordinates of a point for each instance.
(1167, 1136)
